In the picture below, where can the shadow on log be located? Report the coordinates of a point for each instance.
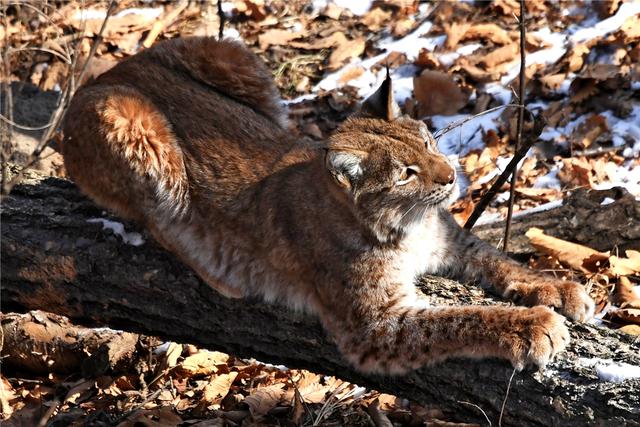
(54, 260)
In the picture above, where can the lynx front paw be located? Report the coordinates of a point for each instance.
(537, 335)
(568, 298)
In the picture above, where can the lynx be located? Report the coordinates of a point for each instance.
(190, 139)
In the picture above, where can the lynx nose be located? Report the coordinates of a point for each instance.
(444, 174)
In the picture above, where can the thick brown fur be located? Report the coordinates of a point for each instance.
(188, 138)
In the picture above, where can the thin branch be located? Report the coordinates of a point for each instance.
(8, 121)
(221, 18)
(458, 123)
(521, 95)
(5, 142)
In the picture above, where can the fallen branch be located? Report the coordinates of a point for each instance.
(53, 259)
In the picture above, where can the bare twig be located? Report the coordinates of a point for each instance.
(521, 94)
(538, 126)
(5, 142)
(506, 395)
(61, 108)
(221, 17)
(458, 123)
(486, 417)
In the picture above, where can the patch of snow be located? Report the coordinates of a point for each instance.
(502, 197)
(611, 371)
(499, 92)
(621, 129)
(147, 12)
(232, 33)
(466, 137)
(541, 208)
(550, 180)
(608, 25)
(129, 238)
(607, 201)
(627, 175)
(162, 348)
(544, 56)
(488, 218)
(300, 98)
(402, 77)
(357, 7)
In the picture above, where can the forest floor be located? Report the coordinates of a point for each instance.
(450, 62)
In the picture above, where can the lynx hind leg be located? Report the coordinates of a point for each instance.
(139, 133)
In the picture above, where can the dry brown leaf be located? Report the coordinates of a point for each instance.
(488, 31)
(630, 29)
(625, 315)
(217, 388)
(476, 73)
(264, 399)
(624, 295)
(438, 93)
(344, 52)
(570, 254)
(350, 74)
(630, 329)
(588, 131)
(582, 89)
(393, 60)
(277, 37)
(376, 19)
(630, 265)
(80, 391)
(576, 171)
(576, 57)
(500, 55)
(534, 42)
(601, 72)
(552, 82)
(426, 59)
(203, 363)
(321, 43)
(159, 417)
(332, 11)
(540, 194)
(454, 31)
(402, 27)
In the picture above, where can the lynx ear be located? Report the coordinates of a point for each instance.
(381, 104)
(345, 166)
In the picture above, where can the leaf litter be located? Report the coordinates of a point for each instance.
(449, 61)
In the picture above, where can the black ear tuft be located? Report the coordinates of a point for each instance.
(381, 104)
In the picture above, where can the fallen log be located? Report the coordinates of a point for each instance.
(54, 259)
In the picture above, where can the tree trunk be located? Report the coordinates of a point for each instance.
(54, 260)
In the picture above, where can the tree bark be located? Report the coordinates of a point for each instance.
(54, 260)
(582, 219)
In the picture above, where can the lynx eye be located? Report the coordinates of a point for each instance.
(407, 175)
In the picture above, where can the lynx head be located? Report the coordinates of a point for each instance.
(389, 167)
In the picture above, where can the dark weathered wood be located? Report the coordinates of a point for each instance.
(52, 259)
(582, 219)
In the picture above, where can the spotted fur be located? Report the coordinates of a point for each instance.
(188, 138)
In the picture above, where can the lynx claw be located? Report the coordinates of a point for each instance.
(542, 334)
(567, 298)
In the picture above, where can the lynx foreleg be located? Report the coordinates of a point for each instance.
(472, 259)
(402, 339)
